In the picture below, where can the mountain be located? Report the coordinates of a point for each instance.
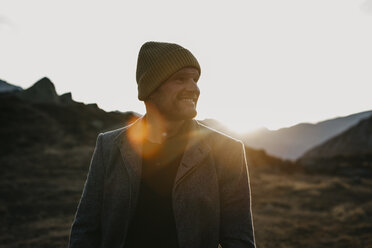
(292, 142)
(256, 158)
(43, 91)
(355, 141)
(350, 149)
(6, 87)
(38, 117)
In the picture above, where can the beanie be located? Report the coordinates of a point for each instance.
(157, 61)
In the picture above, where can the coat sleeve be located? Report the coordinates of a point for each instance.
(86, 228)
(236, 229)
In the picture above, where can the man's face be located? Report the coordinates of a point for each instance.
(177, 97)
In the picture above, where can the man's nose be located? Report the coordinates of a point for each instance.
(193, 86)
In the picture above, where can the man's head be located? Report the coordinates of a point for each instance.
(166, 76)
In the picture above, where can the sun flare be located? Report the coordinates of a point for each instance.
(241, 127)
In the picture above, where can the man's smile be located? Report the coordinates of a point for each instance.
(193, 98)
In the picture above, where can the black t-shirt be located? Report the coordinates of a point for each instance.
(153, 224)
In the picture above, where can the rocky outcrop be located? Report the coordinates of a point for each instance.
(34, 126)
(66, 98)
(8, 88)
(43, 91)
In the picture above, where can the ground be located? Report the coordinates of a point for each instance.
(40, 189)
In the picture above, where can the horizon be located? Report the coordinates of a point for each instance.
(203, 119)
(264, 64)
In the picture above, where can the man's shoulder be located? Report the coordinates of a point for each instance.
(217, 138)
(223, 147)
(113, 135)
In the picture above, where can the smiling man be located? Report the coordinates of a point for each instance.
(166, 180)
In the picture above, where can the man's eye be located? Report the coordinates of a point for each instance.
(180, 79)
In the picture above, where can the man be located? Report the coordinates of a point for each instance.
(166, 180)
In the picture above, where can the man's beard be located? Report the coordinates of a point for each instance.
(176, 113)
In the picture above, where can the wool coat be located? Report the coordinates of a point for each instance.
(211, 194)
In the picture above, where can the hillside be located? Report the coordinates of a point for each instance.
(39, 117)
(292, 142)
(346, 152)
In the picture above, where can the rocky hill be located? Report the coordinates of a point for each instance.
(38, 117)
(43, 91)
(348, 152)
(292, 142)
(6, 87)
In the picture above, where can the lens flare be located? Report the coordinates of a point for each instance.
(136, 135)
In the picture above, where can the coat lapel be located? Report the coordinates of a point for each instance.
(130, 150)
(195, 152)
(131, 147)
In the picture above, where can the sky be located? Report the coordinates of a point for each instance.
(264, 63)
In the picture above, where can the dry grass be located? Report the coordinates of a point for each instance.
(40, 194)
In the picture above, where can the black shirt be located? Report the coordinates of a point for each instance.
(153, 224)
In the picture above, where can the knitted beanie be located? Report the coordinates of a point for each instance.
(157, 61)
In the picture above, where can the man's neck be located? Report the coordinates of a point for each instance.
(160, 128)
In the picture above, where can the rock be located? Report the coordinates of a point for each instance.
(43, 91)
(66, 98)
(8, 88)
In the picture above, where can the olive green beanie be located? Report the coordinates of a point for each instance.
(157, 61)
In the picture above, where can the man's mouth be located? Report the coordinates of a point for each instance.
(190, 99)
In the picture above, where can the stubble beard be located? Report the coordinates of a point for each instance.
(177, 113)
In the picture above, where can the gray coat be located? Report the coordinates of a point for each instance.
(211, 193)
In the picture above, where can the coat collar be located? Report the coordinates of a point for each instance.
(130, 139)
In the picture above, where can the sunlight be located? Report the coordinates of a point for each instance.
(241, 127)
